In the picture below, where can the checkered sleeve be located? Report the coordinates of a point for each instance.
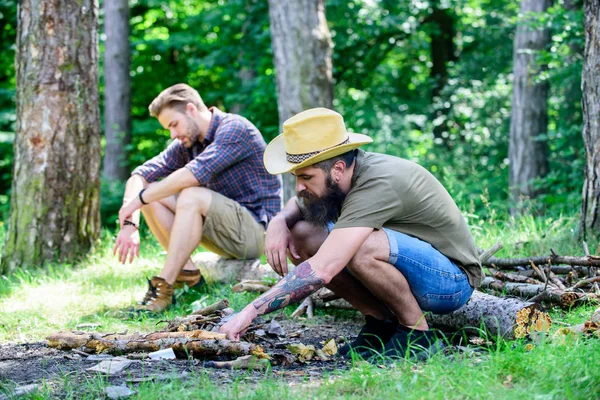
(164, 164)
(231, 145)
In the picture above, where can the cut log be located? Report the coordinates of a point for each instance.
(506, 317)
(196, 343)
(216, 269)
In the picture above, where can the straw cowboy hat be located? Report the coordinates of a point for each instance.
(309, 137)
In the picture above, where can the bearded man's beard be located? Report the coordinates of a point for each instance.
(323, 209)
(193, 132)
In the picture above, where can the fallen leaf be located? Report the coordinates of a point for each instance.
(304, 353)
(330, 348)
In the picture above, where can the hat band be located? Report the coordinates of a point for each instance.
(298, 158)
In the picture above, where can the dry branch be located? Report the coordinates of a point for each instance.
(536, 293)
(244, 362)
(553, 259)
(211, 309)
(197, 343)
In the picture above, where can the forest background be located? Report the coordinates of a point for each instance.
(429, 81)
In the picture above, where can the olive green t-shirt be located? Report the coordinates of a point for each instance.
(398, 194)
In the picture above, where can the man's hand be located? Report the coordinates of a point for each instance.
(127, 244)
(277, 241)
(236, 327)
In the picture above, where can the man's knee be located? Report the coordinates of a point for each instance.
(195, 198)
(374, 248)
(308, 238)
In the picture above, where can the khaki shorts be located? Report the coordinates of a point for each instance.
(231, 231)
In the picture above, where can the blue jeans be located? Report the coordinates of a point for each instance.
(437, 283)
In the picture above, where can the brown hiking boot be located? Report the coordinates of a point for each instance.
(158, 297)
(192, 279)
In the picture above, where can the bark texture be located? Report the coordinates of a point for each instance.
(302, 49)
(197, 343)
(506, 317)
(55, 190)
(590, 213)
(528, 152)
(117, 91)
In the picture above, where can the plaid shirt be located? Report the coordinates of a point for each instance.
(228, 161)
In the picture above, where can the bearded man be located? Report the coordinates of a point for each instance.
(379, 231)
(208, 187)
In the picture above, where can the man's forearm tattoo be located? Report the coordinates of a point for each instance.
(294, 287)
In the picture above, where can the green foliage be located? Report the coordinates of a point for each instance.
(457, 126)
(8, 33)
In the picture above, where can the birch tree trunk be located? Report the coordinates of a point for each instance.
(302, 49)
(590, 214)
(117, 91)
(528, 152)
(55, 190)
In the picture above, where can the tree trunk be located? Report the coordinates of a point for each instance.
(55, 190)
(302, 50)
(117, 103)
(442, 32)
(246, 73)
(590, 212)
(528, 152)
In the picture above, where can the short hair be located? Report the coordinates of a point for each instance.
(347, 157)
(176, 96)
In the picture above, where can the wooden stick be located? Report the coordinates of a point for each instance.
(486, 255)
(585, 282)
(539, 272)
(182, 343)
(244, 362)
(555, 260)
(302, 307)
(219, 305)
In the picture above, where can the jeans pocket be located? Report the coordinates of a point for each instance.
(441, 303)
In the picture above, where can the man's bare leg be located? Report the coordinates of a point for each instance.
(186, 233)
(370, 266)
(159, 216)
(308, 238)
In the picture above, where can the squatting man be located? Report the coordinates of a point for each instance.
(379, 231)
(208, 187)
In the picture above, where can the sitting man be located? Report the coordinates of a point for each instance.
(215, 192)
(405, 245)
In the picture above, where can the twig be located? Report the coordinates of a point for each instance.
(586, 250)
(220, 305)
(585, 282)
(486, 255)
(540, 273)
(303, 307)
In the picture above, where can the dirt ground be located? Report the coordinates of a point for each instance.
(30, 363)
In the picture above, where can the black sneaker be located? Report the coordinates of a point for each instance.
(373, 335)
(409, 343)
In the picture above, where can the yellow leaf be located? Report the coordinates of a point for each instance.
(330, 348)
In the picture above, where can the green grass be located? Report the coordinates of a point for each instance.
(35, 303)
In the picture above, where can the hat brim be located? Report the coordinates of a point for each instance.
(276, 162)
